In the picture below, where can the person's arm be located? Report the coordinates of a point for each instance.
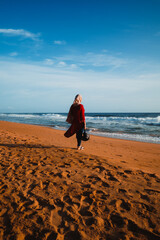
(83, 116)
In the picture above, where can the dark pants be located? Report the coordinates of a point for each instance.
(79, 136)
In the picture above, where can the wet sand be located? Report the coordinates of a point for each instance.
(49, 190)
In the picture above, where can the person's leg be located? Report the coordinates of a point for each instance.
(79, 136)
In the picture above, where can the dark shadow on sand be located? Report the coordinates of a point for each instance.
(13, 145)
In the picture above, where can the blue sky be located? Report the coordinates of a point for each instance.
(108, 51)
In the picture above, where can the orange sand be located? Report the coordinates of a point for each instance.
(49, 190)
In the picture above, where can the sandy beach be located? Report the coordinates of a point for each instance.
(51, 191)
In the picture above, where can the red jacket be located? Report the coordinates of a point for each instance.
(77, 118)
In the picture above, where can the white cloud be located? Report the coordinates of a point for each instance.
(62, 64)
(33, 83)
(73, 66)
(19, 32)
(94, 60)
(48, 62)
(58, 42)
(13, 54)
(104, 60)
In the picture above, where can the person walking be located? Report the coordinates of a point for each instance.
(76, 117)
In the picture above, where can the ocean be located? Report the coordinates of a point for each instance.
(144, 127)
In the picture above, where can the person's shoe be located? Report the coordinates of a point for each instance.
(80, 148)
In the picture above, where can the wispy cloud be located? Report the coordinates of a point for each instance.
(48, 61)
(93, 60)
(62, 64)
(13, 54)
(58, 42)
(41, 86)
(19, 32)
(104, 60)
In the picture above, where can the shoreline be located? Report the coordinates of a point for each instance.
(141, 127)
(99, 134)
(50, 190)
(127, 153)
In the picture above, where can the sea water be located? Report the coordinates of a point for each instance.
(143, 127)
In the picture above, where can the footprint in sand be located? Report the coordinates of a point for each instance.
(100, 168)
(58, 203)
(121, 190)
(112, 178)
(145, 197)
(72, 235)
(135, 229)
(121, 205)
(84, 211)
(67, 199)
(117, 220)
(128, 171)
(52, 236)
(55, 218)
(8, 225)
(125, 205)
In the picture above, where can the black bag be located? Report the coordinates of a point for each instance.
(85, 136)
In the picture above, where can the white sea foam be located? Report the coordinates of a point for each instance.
(134, 137)
(54, 116)
(158, 119)
(138, 127)
(94, 119)
(19, 115)
(124, 120)
(14, 115)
